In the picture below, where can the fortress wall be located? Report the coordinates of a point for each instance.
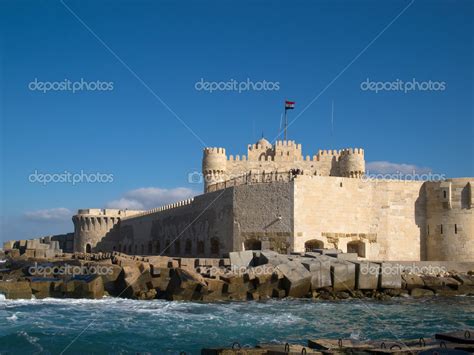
(382, 219)
(263, 213)
(450, 221)
(201, 228)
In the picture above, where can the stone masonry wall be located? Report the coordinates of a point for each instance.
(201, 228)
(263, 216)
(381, 219)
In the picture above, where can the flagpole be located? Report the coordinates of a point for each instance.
(286, 121)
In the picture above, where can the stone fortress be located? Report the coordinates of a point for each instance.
(274, 198)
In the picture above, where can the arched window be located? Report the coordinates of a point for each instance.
(88, 248)
(130, 249)
(188, 246)
(177, 247)
(150, 248)
(200, 247)
(215, 247)
(143, 249)
(312, 244)
(157, 247)
(356, 246)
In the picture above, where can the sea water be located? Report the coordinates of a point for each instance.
(112, 325)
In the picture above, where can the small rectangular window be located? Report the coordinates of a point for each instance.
(441, 229)
(444, 194)
(455, 229)
(428, 230)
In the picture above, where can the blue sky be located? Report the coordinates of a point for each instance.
(149, 130)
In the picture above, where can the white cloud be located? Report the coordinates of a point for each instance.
(51, 214)
(150, 197)
(386, 167)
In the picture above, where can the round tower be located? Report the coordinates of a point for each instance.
(91, 226)
(214, 163)
(352, 163)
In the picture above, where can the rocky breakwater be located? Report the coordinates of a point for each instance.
(247, 275)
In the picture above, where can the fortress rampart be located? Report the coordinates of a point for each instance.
(274, 199)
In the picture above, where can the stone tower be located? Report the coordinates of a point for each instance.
(352, 163)
(93, 224)
(214, 164)
(449, 221)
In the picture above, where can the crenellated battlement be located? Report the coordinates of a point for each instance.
(283, 156)
(349, 151)
(163, 208)
(214, 150)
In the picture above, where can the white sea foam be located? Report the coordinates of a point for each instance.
(13, 317)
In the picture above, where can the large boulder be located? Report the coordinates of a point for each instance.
(421, 292)
(411, 281)
(297, 279)
(464, 279)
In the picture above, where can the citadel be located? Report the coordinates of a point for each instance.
(275, 198)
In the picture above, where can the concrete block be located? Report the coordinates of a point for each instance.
(320, 269)
(32, 244)
(54, 245)
(271, 257)
(8, 245)
(297, 279)
(343, 256)
(367, 275)
(40, 253)
(30, 253)
(342, 275)
(15, 289)
(390, 276)
(241, 259)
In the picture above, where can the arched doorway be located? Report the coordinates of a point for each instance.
(356, 246)
(88, 248)
(253, 244)
(312, 244)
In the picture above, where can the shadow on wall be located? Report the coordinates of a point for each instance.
(420, 220)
